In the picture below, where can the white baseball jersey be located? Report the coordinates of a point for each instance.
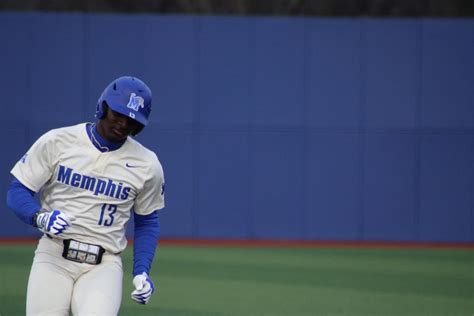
(98, 188)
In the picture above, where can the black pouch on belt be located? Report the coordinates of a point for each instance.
(82, 252)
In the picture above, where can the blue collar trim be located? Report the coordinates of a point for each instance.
(99, 142)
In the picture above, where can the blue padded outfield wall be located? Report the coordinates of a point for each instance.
(267, 128)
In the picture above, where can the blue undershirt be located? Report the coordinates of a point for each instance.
(147, 234)
(98, 141)
(147, 227)
(21, 200)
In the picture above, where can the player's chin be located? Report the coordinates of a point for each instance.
(118, 135)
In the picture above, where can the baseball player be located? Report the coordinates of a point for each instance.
(91, 178)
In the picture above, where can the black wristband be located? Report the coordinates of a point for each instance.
(34, 219)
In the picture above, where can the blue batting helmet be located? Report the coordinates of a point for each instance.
(128, 96)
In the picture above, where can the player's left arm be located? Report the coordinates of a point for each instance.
(149, 200)
(146, 236)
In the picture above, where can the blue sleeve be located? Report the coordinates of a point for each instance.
(147, 232)
(21, 200)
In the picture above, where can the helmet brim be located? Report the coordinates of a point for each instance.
(137, 116)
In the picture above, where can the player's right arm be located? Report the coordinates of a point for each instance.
(21, 200)
(36, 167)
(31, 172)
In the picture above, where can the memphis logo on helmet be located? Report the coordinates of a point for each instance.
(135, 102)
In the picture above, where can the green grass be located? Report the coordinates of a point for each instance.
(283, 281)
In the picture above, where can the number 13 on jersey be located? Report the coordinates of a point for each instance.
(107, 214)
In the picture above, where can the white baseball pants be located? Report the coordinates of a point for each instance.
(57, 286)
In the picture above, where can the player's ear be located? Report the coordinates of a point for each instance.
(105, 108)
(138, 129)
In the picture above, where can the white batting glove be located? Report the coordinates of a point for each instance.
(54, 222)
(144, 287)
